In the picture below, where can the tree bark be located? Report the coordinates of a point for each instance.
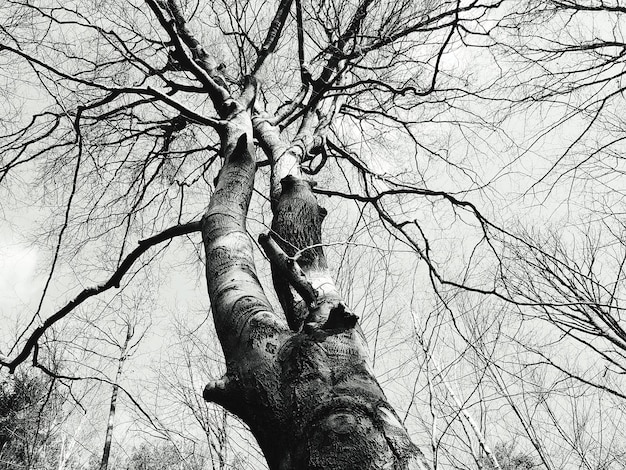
(108, 440)
(306, 392)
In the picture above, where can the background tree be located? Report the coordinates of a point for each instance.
(125, 349)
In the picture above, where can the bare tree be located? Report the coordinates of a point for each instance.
(150, 87)
(125, 349)
(132, 117)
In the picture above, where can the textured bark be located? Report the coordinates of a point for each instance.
(308, 395)
(297, 228)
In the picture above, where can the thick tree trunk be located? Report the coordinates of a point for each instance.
(307, 395)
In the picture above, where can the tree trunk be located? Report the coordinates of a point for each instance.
(106, 452)
(307, 395)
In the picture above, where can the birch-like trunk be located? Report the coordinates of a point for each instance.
(108, 440)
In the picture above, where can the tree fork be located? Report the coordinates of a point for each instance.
(308, 397)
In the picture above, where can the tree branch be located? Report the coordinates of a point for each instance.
(290, 269)
(273, 34)
(114, 281)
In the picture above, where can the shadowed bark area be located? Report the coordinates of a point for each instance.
(297, 228)
(338, 414)
(308, 396)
